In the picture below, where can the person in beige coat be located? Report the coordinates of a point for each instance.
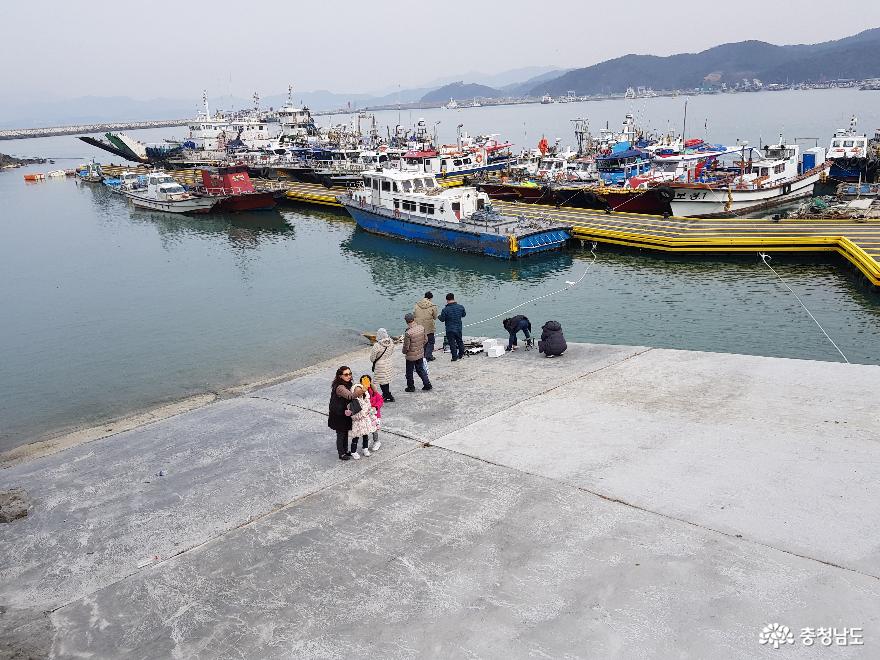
(381, 356)
(425, 313)
(414, 349)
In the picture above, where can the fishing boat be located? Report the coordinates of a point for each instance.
(413, 206)
(163, 193)
(90, 173)
(234, 190)
(762, 180)
(851, 156)
(622, 164)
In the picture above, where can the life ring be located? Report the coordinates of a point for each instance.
(479, 158)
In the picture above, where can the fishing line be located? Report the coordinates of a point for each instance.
(569, 285)
(766, 259)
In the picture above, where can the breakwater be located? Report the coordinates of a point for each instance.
(23, 133)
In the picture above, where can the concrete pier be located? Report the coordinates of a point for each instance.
(616, 502)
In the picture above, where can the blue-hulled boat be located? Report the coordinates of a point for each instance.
(620, 166)
(412, 206)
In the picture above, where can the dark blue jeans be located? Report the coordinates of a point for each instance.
(419, 367)
(523, 325)
(456, 344)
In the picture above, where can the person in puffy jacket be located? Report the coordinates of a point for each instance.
(414, 340)
(381, 357)
(425, 313)
(552, 340)
(513, 325)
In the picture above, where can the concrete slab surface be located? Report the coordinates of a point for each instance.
(615, 502)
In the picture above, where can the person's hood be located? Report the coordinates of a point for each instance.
(552, 326)
(424, 303)
(385, 342)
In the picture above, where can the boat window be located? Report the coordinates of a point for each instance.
(386, 186)
(407, 186)
(431, 183)
(397, 203)
(430, 209)
(765, 171)
(456, 162)
(395, 187)
(480, 204)
(836, 143)
(423, 208)
(779, 169)
(418, 185)
(467, 161)
(456, 206)
(366, 182)
(375, 184)
(847, 143)
(408, 205)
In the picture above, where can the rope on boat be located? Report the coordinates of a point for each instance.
(766, 259)
(568, 285)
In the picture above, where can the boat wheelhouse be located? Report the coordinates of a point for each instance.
(414, 206)
(851, 156)
(617, 168)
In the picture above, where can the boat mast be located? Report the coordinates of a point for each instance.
(205, 103)
(684, 124)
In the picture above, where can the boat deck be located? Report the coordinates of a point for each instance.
(858, 241)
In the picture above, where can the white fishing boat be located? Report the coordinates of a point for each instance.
(163, 193)
(452, 105)
(754, 182)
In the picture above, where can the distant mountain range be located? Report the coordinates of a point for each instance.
(856, 57)
(853, 57)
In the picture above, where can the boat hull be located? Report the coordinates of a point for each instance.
(511, 192)
(493, 245)
(854, 169)
(695, 201)
(259, 201)
(651, 201)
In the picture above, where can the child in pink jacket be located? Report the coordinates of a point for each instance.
(376, 403)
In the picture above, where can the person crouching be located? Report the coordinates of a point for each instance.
(552, 341)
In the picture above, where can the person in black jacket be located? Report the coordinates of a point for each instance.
(513, 325)
(340, 416)
(552, 340)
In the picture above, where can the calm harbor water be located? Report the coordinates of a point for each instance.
(107, 309)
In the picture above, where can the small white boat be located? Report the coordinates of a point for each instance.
(56, 174)
(163, 193)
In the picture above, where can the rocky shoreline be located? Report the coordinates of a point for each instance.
(10, 162)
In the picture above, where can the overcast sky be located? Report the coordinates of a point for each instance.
(159, 48)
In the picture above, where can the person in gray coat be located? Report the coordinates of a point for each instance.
(414, 340)
(552, 340)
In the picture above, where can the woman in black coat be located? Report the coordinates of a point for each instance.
(552, 340)
(340, 416)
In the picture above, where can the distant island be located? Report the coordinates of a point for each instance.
(10, 162)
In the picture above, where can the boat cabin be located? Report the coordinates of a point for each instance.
(162, 186)
(406, 193)
(616, 168)
(231, 180)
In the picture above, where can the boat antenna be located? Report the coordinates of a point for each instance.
(290, 95)
(685, 122)
(256, 98)
(205, 103)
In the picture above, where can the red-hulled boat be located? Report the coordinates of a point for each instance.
(234, 185)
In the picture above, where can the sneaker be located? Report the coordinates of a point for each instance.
(355, 456)
(344, 457)
(431, 359)
(427, 388)
(366, 452)
(410, 389)
(376, 445)
(388, 399)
